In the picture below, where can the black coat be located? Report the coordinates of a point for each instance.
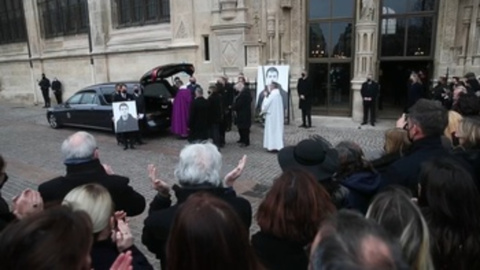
(199, 123)
(215, 108)
(279, 254)
(243, 109)
(92, 172)
(104, 253)
(161, 215)
(472, 156)
(305, 88)
(117, 97)
(415, 92)
(140, 103)
(44, 84)
(56, 86)
(405, 171)
(370, 90)
(381, 164)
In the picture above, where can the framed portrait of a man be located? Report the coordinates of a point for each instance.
(268, 74)
(125, 116)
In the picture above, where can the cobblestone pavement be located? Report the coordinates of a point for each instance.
(32, 151)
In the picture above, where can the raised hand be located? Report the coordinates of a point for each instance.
(159, 185)
(123, 236)
(29, 202)
(235, 173)
(123, 262)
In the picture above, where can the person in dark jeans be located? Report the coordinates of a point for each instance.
(243, 113)
(45, 86)
(304, 87)
(57, 90)
(369, 94)
(216, 115)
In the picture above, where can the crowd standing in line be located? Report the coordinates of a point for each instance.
(415, 207)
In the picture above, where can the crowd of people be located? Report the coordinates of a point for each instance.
(198, 118)
(415, 207)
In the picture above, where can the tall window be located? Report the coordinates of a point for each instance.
(141, 12)
(407, 28)
(329, 52)
(63, 17)
(12, 22)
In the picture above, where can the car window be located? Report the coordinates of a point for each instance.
(89, 98)
(160, 89)
(75, 99)
(107, 92)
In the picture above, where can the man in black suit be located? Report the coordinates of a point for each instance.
(81, 157)
(57, 90)
(304, 87)
(141, 111)
(199, 118)
(369, 94)
(215, 114)
(243, 111)
(45, 86)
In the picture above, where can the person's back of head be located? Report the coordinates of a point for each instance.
(450, 194)
(351, 158)
(450, 201)
(81, 146)
(95, 200)
(454, 119)
(467, 105)
(199, 164)
(294, 207)
(394, 210)
(208, 234)
(396, 141)
(349, 241)
(55, 239)
(429, 116)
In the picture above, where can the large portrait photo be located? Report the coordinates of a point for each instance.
(125, 116)
(268, 74)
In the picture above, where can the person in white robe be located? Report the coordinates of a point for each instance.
(272, 108)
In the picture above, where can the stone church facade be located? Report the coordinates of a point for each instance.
(339, 42)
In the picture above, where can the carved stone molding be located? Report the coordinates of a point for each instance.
(228, 9)
(181, 32)
(367, 12)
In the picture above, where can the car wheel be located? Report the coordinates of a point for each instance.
(52, 120)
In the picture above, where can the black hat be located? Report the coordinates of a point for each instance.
(314, 155)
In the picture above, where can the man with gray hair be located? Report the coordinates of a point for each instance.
(198, 170)
(81, 157)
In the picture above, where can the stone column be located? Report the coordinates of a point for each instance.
(473, 37)
(366, 44)
(99, 28)
(32, 24)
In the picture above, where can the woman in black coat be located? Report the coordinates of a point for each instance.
(289, 218)
(415, 91)
(243, 113)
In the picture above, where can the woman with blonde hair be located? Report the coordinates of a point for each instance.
(396, 146)
(394, 210)
(468, 136)
(111, 232)
(454, 119)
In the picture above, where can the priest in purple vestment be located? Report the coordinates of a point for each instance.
(181, 112)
